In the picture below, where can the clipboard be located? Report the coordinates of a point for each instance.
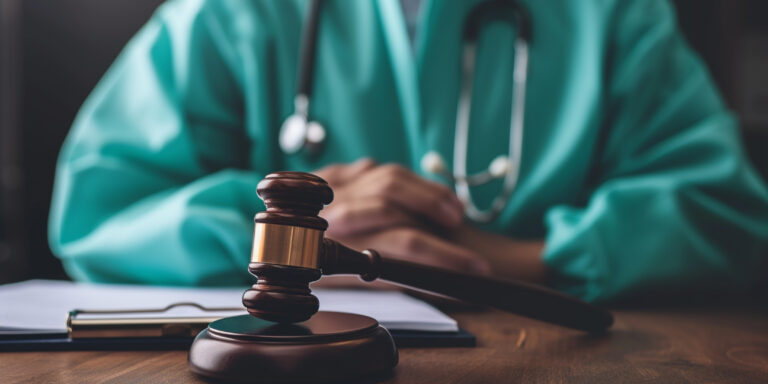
(156, 329)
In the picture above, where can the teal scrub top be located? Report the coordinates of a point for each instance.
(632, 170)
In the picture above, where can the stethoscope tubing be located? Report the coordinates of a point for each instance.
(463, 181)
(481, 15)
(308, 50)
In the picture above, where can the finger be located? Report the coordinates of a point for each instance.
(352, 281)
(428, 248)
(433, 201)
(339, 174)
(363, 216)
(356, 169)
(421, 247)
(329, 172)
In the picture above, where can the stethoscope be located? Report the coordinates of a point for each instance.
(301, 133)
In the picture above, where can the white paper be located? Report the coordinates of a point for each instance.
(43, 304)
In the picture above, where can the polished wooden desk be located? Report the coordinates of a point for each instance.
(650, 345)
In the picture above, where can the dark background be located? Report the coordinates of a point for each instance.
(52, 53)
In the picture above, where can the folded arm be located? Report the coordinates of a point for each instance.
(149, 187)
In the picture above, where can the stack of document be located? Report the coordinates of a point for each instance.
(42, 305)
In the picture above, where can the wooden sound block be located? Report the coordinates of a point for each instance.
(330, 346)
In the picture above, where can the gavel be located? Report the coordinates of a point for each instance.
(285, 339)
(290, 251)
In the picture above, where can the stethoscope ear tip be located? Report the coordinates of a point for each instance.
(499, 167)
(433, 163)
(315, 133)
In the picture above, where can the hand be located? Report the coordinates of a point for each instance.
(407, 244)
(369, 198)
(393, 210)
(508, 257)
(418, 246)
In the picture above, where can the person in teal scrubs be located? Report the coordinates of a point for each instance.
(633, 179)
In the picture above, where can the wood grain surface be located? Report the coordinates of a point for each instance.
(649, 345)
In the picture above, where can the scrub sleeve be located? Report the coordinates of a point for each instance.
(677, 203)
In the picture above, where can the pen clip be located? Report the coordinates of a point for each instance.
(171, 326)
(76, 312)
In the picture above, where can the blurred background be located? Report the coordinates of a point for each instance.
(52, 53)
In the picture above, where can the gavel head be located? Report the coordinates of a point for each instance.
(287, 243)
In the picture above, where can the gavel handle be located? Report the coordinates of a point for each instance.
(517, 297)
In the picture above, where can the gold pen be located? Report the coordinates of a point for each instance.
(111, 325)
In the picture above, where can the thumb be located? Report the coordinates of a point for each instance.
(339, 174)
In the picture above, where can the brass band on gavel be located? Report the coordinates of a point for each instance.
(286, 245)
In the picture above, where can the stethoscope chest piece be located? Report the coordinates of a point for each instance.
(298, 134)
